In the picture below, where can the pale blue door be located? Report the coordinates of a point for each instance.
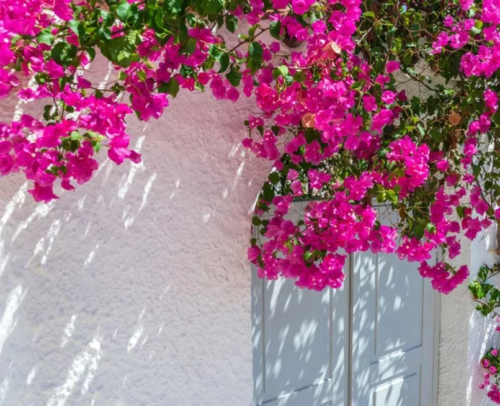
(370, 343)
(300, 344)
(393, 333)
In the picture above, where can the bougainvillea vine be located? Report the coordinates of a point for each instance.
(361, 104)
(487, 298)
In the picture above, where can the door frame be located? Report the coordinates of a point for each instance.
(431, 309)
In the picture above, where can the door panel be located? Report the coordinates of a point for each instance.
(401, 391)
(388, 332)
(370, 343)
(300, 341)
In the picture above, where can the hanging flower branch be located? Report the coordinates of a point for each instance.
(491, 364)
(487, 297)
(335, 118)
(484, 293)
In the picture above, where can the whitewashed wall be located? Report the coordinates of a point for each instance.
(465, 334)
(135, 289)
(482, 334)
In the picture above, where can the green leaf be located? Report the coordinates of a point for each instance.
(206, 7)
(91, 53)
(421, 129)
(231, 23)
(431, 228)
(47, 112)
(174, 6)
(73, 26)
(141, 75)
(64, 53)
(280, 71)
(216, 52)
(496, 118)
(256, 221)
(268, 192)
(274, 178)
(308, 255)
(123, 10)
(45, 37)
(75, 135)
(252, 30)
(234, 76)
(96, 145)
(121, 50)
(391, 196)
(159, 19)
(224, 62)
(299, 76)
(275, 29)
(172, 87)
(418, 231)
(255, 52)
(190, 46)
(436, 135)
(357, 85)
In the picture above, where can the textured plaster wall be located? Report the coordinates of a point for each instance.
(456, 309)
(482, 334)
(135, 290)
(465, 335)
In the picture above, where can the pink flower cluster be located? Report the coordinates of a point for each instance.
(322, 119)
(333, 226)
(83, 118)
(490, 364)
(461, 33)
(346, 221)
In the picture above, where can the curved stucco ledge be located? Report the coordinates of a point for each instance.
(135, 289)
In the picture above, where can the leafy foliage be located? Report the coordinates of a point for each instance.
(357, 104)
(486, 294)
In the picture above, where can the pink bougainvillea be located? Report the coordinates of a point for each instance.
(335, 116)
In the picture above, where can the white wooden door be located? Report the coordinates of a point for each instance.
(300, 344)
(370, 343)
(393, 318)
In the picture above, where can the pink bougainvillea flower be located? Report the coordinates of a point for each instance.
(392, 66)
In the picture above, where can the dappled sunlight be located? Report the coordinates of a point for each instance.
(134, 339)
(40, 212)
(54, 229)
(125, 186)
(68, 331)
(366, 341)
(31, 376)
(147, 189)
(177, 184)
(4, 388)
(85, 362)
(77, 272)
(16, 201)
(294, 332)
(9, 320)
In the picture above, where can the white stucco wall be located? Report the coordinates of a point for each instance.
(465, 335)
(482, 334)
(135, 289)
